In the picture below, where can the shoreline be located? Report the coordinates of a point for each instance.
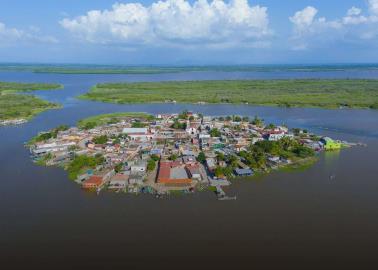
(301, 93)
(169, 154)
(292, 106)
(18, 107)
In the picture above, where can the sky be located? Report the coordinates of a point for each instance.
(179, 32)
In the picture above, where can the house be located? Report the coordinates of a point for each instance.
(93, 182)
(330, 144)
(191, 130)
(136, 179)
(135, 130)
(194, 171)
(139, 167)
(243, 172)
(276, 136)
(118, 181)
(173, 173)
(211, 164)
(189, 159)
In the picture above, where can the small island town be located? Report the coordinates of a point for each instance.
(174, 153)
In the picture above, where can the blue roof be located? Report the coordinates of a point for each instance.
(243, 171)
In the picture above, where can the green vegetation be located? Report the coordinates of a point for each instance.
(173, 157)
(138, 125)
(118, 167)
(257, 155)
(100, 139)
(52, 134)
(151, 165)
(215, 132)
(16, 106)
(82, 163)
(13, 87)
(103, 119)
(46, 158)
(301, 93)
(178, 125)
(121, 69)
(257, 122)
(201, 157)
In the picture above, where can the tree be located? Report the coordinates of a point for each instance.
(90, 125)
(237, 118)
(183, 115)
(220, 156)
(303, 151)
(177, 125)
(245, 119)
(116, 141)
(118, 167)
(191, 118)
(257, 122)
(228, 118)
(138, 125)
(173, 157)
(155, 157)
(270, 126)
(218, 172)
(215, 132)
(201, 157)
(151, 164)
(100, 139)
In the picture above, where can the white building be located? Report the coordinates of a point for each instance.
(135, 130)
(139, 167)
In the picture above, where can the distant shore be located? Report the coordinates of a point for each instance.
(16, 108)
(331, 94)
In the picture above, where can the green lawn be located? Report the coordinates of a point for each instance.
(296, 93)
(17, 106)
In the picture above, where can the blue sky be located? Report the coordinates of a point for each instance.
(189, 32)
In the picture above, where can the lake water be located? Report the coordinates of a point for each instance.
(304, 219)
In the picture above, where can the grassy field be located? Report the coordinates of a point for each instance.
(103, 119)
(295, 93)
(122, 69)
(12, 87)
(18, 106)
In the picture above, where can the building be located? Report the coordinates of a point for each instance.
(243, 172)
(118, 181)
(276, 136)
(139, 167)
(173, 173)
(135, 130)
(93, 182)
(194, 172)
(330, 144)
(211, 164)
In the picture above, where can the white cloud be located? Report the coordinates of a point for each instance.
(174, 22)
(373, 7)
(353, 11)
(10, 35)
(310, 31)
(304, 18)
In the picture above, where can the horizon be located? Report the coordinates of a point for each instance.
(190, 33)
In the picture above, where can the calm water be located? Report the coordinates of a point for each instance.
(301, 219)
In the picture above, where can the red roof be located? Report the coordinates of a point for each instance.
(165, 170)
(93, 181)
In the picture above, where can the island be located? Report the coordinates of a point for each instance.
(288, 93)
(167, 154)
(17, 108)
(155, 69)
